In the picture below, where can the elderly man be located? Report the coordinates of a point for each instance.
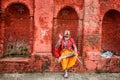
(66, 51)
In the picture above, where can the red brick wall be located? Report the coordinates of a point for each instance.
(17, 29)
(106, 5)
(110, 31)
(77, 6)
(0, 26)
(43, 17)
(107, 24)
(109, 13)
(67, 19)
(84, 20)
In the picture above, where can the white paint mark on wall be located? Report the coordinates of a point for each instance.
(43, 33)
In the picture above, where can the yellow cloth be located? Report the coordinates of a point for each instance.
(68, 62)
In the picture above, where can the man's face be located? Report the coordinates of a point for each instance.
(66, 35)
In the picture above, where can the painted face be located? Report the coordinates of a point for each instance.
(66, 34)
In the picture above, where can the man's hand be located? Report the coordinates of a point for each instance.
(60, 36)
(59, 59)
(59, 41)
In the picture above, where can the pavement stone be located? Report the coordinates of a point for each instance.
(59, 76)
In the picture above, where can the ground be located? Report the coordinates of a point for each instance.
(58, 76)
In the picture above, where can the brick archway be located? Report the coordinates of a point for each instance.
(67, 18)
(111, 31)
(17, 31)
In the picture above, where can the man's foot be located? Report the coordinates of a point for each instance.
(65, 75)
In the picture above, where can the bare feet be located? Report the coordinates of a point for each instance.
(65, 74)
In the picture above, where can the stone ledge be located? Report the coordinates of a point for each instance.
(14, 60)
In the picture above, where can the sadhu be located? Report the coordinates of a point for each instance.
(66, 51)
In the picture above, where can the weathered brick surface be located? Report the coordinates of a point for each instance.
(110, 29)
(89, 21)
(43, 17)
(110, 65)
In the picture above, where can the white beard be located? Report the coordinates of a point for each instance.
(67, 38)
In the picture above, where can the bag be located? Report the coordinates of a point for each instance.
(57, 51)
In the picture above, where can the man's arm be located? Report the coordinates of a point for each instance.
(59, 41)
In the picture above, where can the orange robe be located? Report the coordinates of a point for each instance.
(68, 62)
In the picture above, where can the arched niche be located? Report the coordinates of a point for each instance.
(67, 19)
(111, 31)
(17, 31)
